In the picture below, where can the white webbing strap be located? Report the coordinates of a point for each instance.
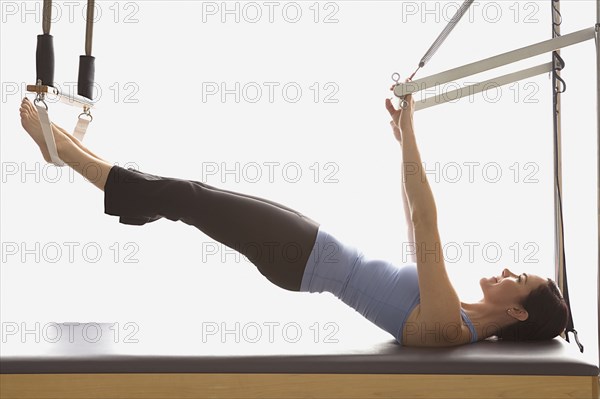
(48, 136)
(81, 128)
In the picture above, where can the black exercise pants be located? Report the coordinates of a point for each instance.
(277, 239)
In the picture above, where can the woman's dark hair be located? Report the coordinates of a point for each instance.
(548, 316)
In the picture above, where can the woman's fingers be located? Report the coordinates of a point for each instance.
(390, 107)
(409, 99)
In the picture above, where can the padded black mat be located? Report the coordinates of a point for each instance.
(555, 357)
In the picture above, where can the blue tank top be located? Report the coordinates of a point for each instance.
(383, 293)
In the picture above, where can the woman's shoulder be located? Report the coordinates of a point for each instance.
(422, 331)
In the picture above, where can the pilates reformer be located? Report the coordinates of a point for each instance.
(552, 369)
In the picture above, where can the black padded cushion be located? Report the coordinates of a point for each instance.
(555, 357)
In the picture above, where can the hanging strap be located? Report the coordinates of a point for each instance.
(81, 127)
(47, 16)
(85, 81)
(558, 87)
(48, 136)
(45, 76)
(44, 56)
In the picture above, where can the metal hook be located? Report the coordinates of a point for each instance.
(396, 77)
(40, 99)
(86, 112)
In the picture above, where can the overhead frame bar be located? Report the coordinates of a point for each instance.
(487, 64)
(482, 86)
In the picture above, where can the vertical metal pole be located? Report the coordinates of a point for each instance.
(598, 155)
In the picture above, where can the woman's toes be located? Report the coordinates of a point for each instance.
(24, 106)
(30, 107)
(23, 112)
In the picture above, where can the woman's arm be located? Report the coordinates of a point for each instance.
(420, 198)
(421, 204)
(439, 300)
(410, 229)
(418, 190)
(407, 214)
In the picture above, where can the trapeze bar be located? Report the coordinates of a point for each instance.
(510, 57)
(70, 99)
(482, 86)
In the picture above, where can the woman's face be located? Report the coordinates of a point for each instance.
(509, 289)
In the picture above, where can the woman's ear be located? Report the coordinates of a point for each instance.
(518, 313)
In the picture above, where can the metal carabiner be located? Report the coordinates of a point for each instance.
(39, 98)
(86, 112)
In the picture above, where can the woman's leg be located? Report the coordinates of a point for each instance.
(34, 115)
(277, 239)
(78, 143)
(231, 192)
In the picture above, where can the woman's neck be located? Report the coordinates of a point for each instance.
(487, 319)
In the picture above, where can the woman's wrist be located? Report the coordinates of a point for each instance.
(407, 128)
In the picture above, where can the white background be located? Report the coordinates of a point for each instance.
(155, 60)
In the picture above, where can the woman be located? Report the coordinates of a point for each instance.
(415, 303)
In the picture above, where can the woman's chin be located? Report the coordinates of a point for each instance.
(487, 281)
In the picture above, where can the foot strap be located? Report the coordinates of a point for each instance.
(81, 127)
(48, 136)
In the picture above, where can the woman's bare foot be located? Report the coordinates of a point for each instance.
(77, 142)
(30, 121)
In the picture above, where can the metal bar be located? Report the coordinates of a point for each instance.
(598, 157)
(494, 62)
(482, 86)
(70, 99)
(445, 33)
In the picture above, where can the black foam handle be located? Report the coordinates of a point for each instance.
(44, 60)
(85, 82)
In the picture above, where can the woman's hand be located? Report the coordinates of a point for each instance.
(395, 114)
(401, 118)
